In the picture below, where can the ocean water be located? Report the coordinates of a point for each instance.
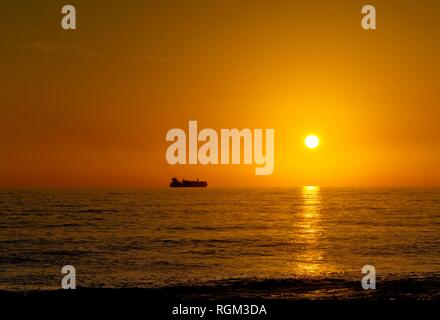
(293, 243)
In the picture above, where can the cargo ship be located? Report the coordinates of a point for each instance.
(175, 183)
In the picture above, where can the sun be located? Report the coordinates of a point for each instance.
(311, 141)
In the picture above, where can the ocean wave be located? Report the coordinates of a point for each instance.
(306, 288)
(98, 211)
(283, 289)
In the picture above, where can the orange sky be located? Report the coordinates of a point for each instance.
(91, 107)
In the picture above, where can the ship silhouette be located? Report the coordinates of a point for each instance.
(175, 183)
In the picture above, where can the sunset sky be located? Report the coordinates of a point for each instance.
(91, 107)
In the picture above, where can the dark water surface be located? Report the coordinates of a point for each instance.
(291, 243)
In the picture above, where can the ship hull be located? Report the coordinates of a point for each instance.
(175, 183)
(200, 184)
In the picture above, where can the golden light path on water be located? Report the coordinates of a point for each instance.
(310, 261)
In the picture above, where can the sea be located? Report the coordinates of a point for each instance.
(281, 243)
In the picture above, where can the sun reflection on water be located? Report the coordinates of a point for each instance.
(309, 261)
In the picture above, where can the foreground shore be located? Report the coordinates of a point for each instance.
(163, 304)
(409, 289)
